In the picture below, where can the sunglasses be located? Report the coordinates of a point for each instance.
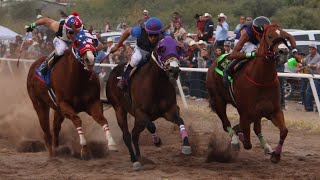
(70, 31)
(153, 35)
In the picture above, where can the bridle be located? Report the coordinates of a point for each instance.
(268, 52)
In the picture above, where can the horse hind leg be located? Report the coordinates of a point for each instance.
(173, 116)
(121, 115)
(58, 119)
(278, 120)
(220, 108)
(152, 129)
(69, 113)
(96, 111)
(263, 142)
(43, 110)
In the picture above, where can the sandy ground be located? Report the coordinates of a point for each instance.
(19, 124)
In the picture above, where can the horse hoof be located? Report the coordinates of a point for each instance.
(112, 148)
(268, 150)
(186, 150)
(85, 155)
(275, 158)
(235, 147)
(136, 166)
(159, 143)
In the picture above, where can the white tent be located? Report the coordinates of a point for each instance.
(7, 34)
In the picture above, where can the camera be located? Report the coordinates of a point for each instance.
(219, 19)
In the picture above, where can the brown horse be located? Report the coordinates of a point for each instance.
(71, 91)
(152, 96)
(256, 93)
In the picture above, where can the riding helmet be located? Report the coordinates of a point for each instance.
(259, 22)
(153, 26)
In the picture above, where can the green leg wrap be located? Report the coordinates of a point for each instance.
(230, 131)
(263, 141)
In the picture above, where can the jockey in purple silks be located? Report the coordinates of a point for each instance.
(147, 39)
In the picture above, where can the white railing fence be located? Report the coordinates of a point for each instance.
(25, 64)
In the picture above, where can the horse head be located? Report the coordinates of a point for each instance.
(276, 44)
(84, 48)
(168, 53)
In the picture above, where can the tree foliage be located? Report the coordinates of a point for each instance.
(293, 14)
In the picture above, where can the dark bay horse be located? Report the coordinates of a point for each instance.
(152, 97)
(256, 93)
(74, 92)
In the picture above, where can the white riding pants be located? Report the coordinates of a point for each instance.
(247, 47)
(60, 46)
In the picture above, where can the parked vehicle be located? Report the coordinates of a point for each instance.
(116, 37)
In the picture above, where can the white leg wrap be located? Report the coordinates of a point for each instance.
(83, 140)
(235, 139)
(108, 135)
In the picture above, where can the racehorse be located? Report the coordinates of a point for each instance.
(71, 90)
(151, 95)
(256, 93)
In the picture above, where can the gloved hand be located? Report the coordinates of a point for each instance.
(30, 27)
(250, 54)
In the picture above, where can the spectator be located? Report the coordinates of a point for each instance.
(218, 52)
(227, 47)
(178, 32)
(107, 27)
(202, 44)
(122, 27)
(204, 61)
(200, 24)
(109, 46)
(280, 68)
(193, 54)
(186, 37)
(249, 19)
(304, 81)
(239, 26)
(208, 28)
(312, 62)
(222, 30)
(145, 15)
(177, 18)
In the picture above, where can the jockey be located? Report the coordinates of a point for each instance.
(147, 39)
(64, 35)
(247, 41)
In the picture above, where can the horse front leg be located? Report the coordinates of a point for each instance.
(69, 113)
(96, 111)
(174, 116)
(263, 142)
(278, 120)
(244, 133)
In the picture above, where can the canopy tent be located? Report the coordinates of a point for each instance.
(7, 34)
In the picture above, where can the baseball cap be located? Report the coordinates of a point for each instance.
(312, 45)
(109, 39)
(227, 43)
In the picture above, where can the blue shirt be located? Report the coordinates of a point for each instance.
(222, 31)
(136, 31)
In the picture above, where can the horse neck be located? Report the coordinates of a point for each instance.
(76, 69)
(261, 70)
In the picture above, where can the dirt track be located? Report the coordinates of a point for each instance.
(18, 122)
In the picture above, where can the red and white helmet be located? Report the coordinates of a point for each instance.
(73, 20)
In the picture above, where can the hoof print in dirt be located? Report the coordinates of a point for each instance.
(30, 146)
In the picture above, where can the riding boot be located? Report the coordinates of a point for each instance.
(229, 70)
(123, 83)
(45, 64)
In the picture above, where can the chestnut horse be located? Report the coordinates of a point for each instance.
(256, 92)
(152, 96)
(71, 91)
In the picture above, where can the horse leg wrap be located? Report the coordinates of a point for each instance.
(279, 147)
(108, 135)
(155, 138)
(231, 132)
(263, 141)
(183, 131)
(83, 140)
(241, 136)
